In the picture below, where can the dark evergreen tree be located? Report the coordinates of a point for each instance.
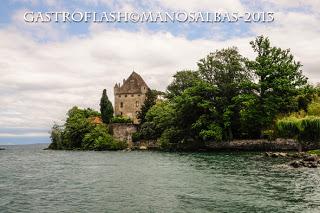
(106, 108)
(151, 97)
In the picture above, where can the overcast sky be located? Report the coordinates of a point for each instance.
(48, 68)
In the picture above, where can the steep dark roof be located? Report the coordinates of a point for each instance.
(133, 84)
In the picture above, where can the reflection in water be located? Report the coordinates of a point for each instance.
(34, 180)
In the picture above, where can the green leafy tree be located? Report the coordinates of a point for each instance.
(226, 70)
(279, 78)
(56, 137)
(181, 81)
(159, 117)
(106, 108)
(77, 125)
(79, 132)
(151, 98)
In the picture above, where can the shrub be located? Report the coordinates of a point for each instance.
(305, 130)
(314, 152)
(314, 109)
(214, 133)
(268, 134)
(170, 138)
(136, 136)
(121, 119)
(100, 139)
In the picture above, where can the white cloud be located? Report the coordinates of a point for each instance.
(300, 33)
(204, 5)
(40, 81)
(313, 5)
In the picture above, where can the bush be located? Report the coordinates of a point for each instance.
(136, 136)
(214, 132)
(170, 138)
(314, 152)
(305, 130)
(268, 134)
(314, 109)
(121, 119)
(99, 139)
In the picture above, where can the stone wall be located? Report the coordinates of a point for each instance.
(123, 132)
(256, 145)
(128, 105)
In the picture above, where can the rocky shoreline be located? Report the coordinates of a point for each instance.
(297, 160)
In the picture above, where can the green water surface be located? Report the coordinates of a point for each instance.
(36, 180)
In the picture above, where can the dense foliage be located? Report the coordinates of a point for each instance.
(79, 132)
(121, 119)
(303, 126)
(106, 108)
(151, 97)
(228, 97)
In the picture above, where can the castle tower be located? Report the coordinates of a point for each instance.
(129, 96)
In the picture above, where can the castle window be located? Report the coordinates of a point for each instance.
(121, 104)
(137, 103)
(125, 95)
(138, 94)
(119, 96)
(132, 95)
(120, 113)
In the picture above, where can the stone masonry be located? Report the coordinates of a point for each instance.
(129, 96)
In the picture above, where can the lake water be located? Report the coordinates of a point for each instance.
(36, 180)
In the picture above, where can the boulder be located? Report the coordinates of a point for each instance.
(313, 158)
(268, 154)
(296, 164)
(282, 154)
(275, 154)
(143, 148)
(312, 164)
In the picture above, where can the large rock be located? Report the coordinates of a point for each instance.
(311, 158)
(296, 164)
(276, 154)
(143, 148)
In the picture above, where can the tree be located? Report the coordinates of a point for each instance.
(226, 70)
(106, 108)
(151, 97)
(79, 132)
(159, 117)
(181, 81)
(279, 79)
(76, 126)
(56, 137)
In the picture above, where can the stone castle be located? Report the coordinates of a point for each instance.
(129, 96)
